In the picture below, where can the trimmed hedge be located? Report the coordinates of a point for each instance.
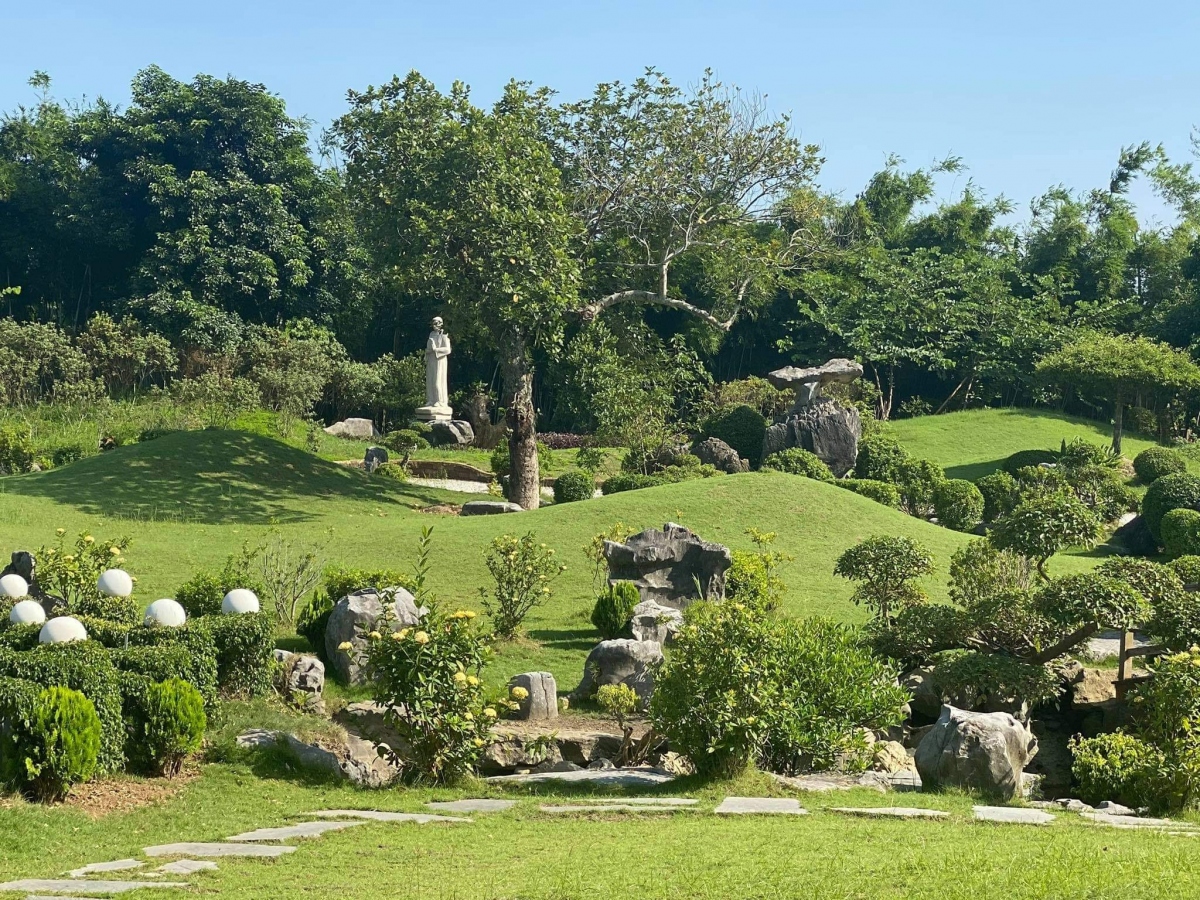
(1000, 493)
(1178, 491)
(573, 486)
(1024, 458)
(742, 428)
(1155, 462)
(798, 461)
(177, 661)
(879, 491)
(628, 481)
(18, 637)
(244, 645)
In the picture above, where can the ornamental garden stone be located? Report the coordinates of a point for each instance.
(666, 565)
(62, 630)
(355, 615)
(13, 587)
(115, 583)
(165, 613)
(27, 612)
(238, 601)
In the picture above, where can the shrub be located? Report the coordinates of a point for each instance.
(1042, 526)
(50, 739)
(523, 571)
(165, 723)
(572, 486)
(1103, 491)
(918, 479)
(618, 700)
(1155, 582)
(879, 491)
(1155, 462)
(974, 680)
(244, 648)
(16, 452)
(201, 595)
(884, 568)
(1024, 458)
(628, 481)
(1081, 454)
(561, 440)
(958, 504)
(1118, 767)
(1000, 494)
(1187, 568)
(880, 457)
(405, 440)
(751, 580)
(428, 680)
(798, 461)
(1038, 481)
(1179, 491)
(742, 428)
(67, 454)
(173, 661)
(614, 608)
(17, 637)
(918, 632)
(1073, 601)
(71, 572)
(1180, 531)
(392, 471)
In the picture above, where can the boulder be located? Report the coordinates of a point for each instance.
(511, 750)
(622, 661)
(452, 433)
(374, 458)
(890, 756)
(826, 428)
(368, 720)
(1090, 687)
(654, 622)
(542, 699)
(21, 563)
(926, 702)
(808, 382)
(489, 508)
(302, 680)
(355, 429)
(666, 565)
(715, 452)
(357, 614)
(354, 759)
(984, 752)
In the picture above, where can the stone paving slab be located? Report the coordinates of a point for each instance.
(482, 805)
(748, 806)
(1012, 815)
(895, 812)
(288, 832)
(187, 867)
(617, 807)
(216, 849)
(632, 777)
(373, 815)
(78, 886)
(57, 897)
(117, 865)
(1133, 822)
(646, 801)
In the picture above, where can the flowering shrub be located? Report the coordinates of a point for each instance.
(428, 679)
(523, 570)
(71, 572)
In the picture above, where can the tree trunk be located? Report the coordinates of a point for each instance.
(1118, 411)
(524, 481)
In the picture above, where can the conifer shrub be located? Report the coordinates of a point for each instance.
(614, 608)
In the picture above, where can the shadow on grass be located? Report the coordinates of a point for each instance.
(210, 477)
(566, 638)
(974, 471)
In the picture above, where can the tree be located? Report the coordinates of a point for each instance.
(1040, 527)
(885, 568)
(1119, 368)
(466, 205)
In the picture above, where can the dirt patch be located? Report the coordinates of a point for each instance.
(100, 798)
(443, 509)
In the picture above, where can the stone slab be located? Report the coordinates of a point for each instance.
(187, 867)
(646, 801)
(616, 807)
(481, 805)
(57, 897)
(216, 849)
(117, 865)
(631, 777)
(1012, 815)
(373, 815)
(751, 806)
(288, 832)
(894, 812)
(1134, 822)
(78, 886)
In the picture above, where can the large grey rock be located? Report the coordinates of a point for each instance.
(622, 661)
(985, 752)
(301, 680)
(355, 429)
(653, 622)
(926, 702)
(715, 452)
(454, 433)
(374, 458)
(354, 759)
(666, 565)
(827, 429)
(542, 699)
(489, 508)
(808, 382)
(356, 615)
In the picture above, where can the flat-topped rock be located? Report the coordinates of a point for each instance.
(287, 832)
(117, 865)
(489, 508)
(836, 371)
(217, 849)
(79, 886)
(629, 777)
(893, 812)
(481, 805)
(187, 867)
(1012, 815)
(755, 806)
(374, 815)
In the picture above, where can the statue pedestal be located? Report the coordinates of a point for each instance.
(437, 413)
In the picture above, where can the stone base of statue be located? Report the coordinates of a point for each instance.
(437, 413)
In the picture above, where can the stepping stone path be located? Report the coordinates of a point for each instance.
(631, 777)
(188, 848)
(747, 806)
(117, 865)
(1013, 815)
(376, 816)
(646, 801)
(1134, 822)
(77, 886)
(286, 833)
(470, 806)
(187, 867)
(895, 812)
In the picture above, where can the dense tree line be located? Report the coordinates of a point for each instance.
(601, 262)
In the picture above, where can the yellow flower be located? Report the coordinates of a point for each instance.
(114, 551)
(489, 712)
(468, 717)
(478, 742)
(472, 681)
(345, 646)
(88, 539)
(564, 704)
(460, 678)
(463, 614)
(421, 637)
(70, 557)
(375, 635)
(60, 531)
(399, 635)
(519, 693)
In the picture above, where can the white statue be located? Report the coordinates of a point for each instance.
(437, 391)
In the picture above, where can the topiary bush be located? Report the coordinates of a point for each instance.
(17, 637)
(570, 487)
(1178, 491)
(50, 738)
(1023, 458)
(798, 461)
(1155, 462)
(958, 504)
(1102, 491)
(614, 608)
(973, 680)
(244, 650)
(885, 567)
(918, 479)
(405, 440)
(880, 457)
(879, 491)
(628, 481)
(742, 428)
(1187, 568)
(1040, 527)
(1000, 494)
(918, 632)
(164, 721)
(1180, 531)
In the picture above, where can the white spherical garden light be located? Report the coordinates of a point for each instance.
(13, 586)
(165, 613)
(115, 583)
(27, 612)
(239, 600)
(61, 630)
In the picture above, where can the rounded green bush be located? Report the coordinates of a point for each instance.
(50, 738)
(1023, 458)
(958, 504)
(1000, 494)
(1118, 767)
(742, 428)
(1177, 491)
(879, 491)
(1180, 530)
(879, 457)
(1187, 568)
(628, 481)
(570, 487)
(614, 608)
(405, 440)
(798, 461)
(1155, 462)
(165, 723)
(918, 479)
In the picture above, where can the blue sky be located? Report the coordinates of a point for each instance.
(1028, 94)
